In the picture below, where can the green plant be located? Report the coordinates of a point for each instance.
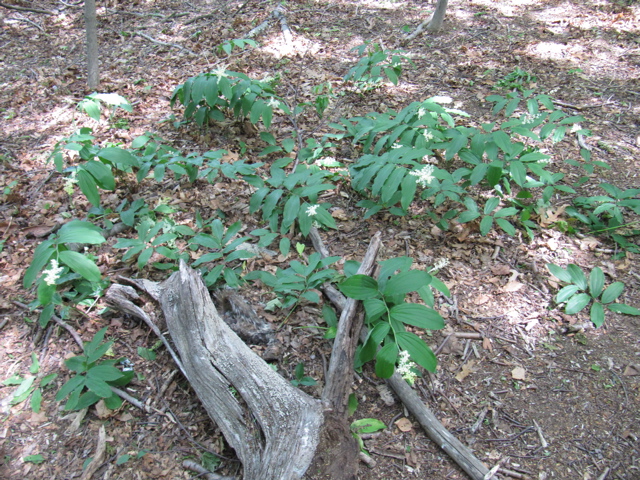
(240, 43)
(66, 270)
(367, 74)
(6, 190)
(580, 292)
(387, 314)
(94, 377)
(300, 378)
(516, 80)
(30, 385)
(287, 198)
(92, 104)
(365, 425)
(299, 281)
(211, 96)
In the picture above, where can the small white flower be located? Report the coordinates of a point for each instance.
(325, 161)
(396, 145)
(425, 175)
(273, 102)
(312, 210)
(221, 71)
(421, 112)
(406, 367)
(69, 183)
(428, 136)
(439, 264)
(52, 273)
(576, 127)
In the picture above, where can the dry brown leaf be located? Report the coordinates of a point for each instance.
(339, 214)
(512, 287)
(467, 369)
(486, 344)
(481, 299)
(404, 424)
(518, 373)
(501, 269)
(632, 370)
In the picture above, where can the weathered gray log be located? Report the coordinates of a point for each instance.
(273, 427)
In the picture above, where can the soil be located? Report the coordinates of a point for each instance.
(541, 393)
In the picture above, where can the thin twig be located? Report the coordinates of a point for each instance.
(25, 9)
(165, 44)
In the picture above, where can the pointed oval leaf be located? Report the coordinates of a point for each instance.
(559, 272)
(406, 282)
(78, 231)
(418, 350)
(596, 282)
(566, 293)
(623, 308)
(359, 287)
(597, 314)
(577, 303)
(81, 265)
(386, 360)
(612, 292)
(417, 315)
(577, 276)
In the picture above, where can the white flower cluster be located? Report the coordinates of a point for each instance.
(52, 273)
(425, 175)
(428, 136)
(325, 161)
(439, 264)
(69, 183)
(312, 210)
(406, 367)
(273, 102)
(421, 112)
(527, 118)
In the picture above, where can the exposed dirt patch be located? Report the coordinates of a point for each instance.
(547, 401)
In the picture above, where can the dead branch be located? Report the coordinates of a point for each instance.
(26, 9)
(164, 44)
(340, 374)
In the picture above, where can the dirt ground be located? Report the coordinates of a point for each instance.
(516, 382)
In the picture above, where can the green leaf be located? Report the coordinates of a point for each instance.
(72, 384)
(89, 187)
(597, 314)
(353, 404)
(612, 292)
(418, 350)
(359, 287)
(101, 173)
(291, 209)
(81, 265)
(577, 303)
(98, 387)
(596, 282)
(367, 425)
(485, 225)
(566, 293)
(559, 272)
(577, 276)
(45, 293)
(41, 257)
(374, 308)
(92, 346)
(623, 308)
(36, 400)
(118, 156)
(417, 315)
(78, 231)
(386, 360)
(406, 282)
(106, 373)
(37, 459)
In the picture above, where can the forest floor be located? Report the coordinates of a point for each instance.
(541, 397)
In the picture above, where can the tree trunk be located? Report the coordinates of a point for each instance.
(91, 27)
(438, 16)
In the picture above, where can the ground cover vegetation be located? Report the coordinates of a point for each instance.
(520, 169)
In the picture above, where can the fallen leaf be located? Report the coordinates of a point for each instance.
(339, 214)
(631, 370)
(467, 369)
(501, 269)
(486, 344)
(512, 287)
(518, 373)
(481, 299)
(404, 424)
